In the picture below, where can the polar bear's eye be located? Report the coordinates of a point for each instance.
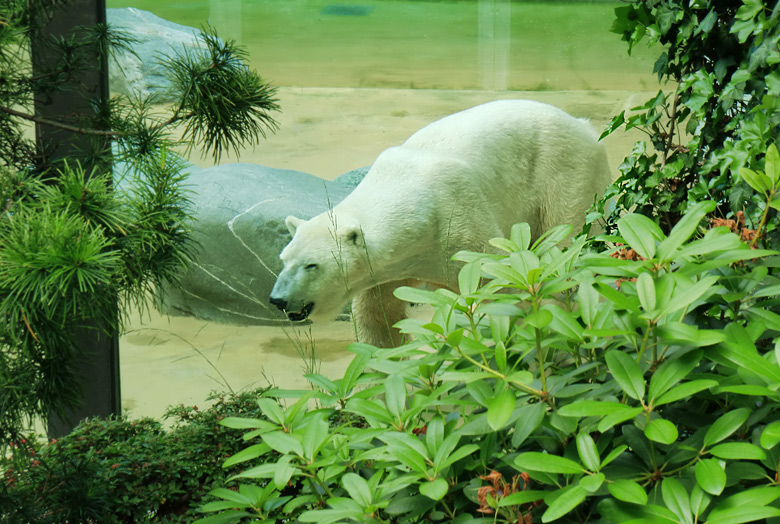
(310, 266)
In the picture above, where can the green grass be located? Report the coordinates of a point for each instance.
(419, 44)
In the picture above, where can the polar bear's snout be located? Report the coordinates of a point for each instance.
(279, 303)
(302, 314)
(295, 310)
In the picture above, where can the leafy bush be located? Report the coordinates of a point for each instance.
(638, 385)
(718, 112)
(121, 470)
(74, 251)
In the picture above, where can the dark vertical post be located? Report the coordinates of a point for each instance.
(73, 103)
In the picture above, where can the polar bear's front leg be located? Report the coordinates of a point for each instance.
(375, 311)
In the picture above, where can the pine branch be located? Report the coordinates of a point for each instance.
(61, 125)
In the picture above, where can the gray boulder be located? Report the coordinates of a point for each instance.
(239, 212)
(140, 73)
(352, 178)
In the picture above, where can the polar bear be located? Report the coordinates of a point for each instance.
(452, 186)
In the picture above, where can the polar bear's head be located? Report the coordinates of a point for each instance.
(322, 265)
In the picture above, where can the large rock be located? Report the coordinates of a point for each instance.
(239, 212)
(139, 72)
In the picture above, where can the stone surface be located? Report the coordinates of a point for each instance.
(239, 212)
(352, 178)
(141, 74)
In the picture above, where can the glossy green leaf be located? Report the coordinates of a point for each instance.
(270, 408)
(711, 476)
(500, 408)
(612, 455)
(522, 497)
(469, 278)
(565, 500)
(314, 436)
(444, 460)
(685, 390)
(645, 289)
(434, 490)
(247, 423)
(588, 301)
(283, 472)
(434, 435)
(627, 374)
(408, 456)
(263, 471)
(640, 233)
(647, 514)
(535, 461)
(661, 430)
(422, 296)
(727, 424)
(353, 373)
(369, 409)
(740, 515)
(680, 332)
(530, 417)
(282, 443)
(520, 234)
(772, 164)
(540, 319)
(232, 496)
(628, 491)
(589, 454)
(564, 323)
(592, 408)
(524, 262)
(358, 489)
(687, 292)
(738, 451)
(670, 372)
(591, 483)
(395, 395)
(504, 272)
(618, 417)
(700, 499)
(746, 389)
(684, 229)
(503, 244)
(770, 435)
(323, 383)
(757, 180)
(252, 452)
(677, 499)
(747, 498)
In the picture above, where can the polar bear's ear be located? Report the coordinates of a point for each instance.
(353, 235)
(292, 223)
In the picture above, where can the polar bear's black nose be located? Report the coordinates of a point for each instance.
(279, 302)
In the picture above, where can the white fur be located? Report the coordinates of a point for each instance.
(451, 186)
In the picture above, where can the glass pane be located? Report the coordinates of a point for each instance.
(354, 78)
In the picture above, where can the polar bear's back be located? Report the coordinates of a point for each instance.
(510, 147)
(475, 173)
(502, 123)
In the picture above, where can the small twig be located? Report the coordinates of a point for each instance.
(672, 119)
(175, 118)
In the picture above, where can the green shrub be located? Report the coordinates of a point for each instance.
(638, 384)
(121, 470)
(718, 112)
